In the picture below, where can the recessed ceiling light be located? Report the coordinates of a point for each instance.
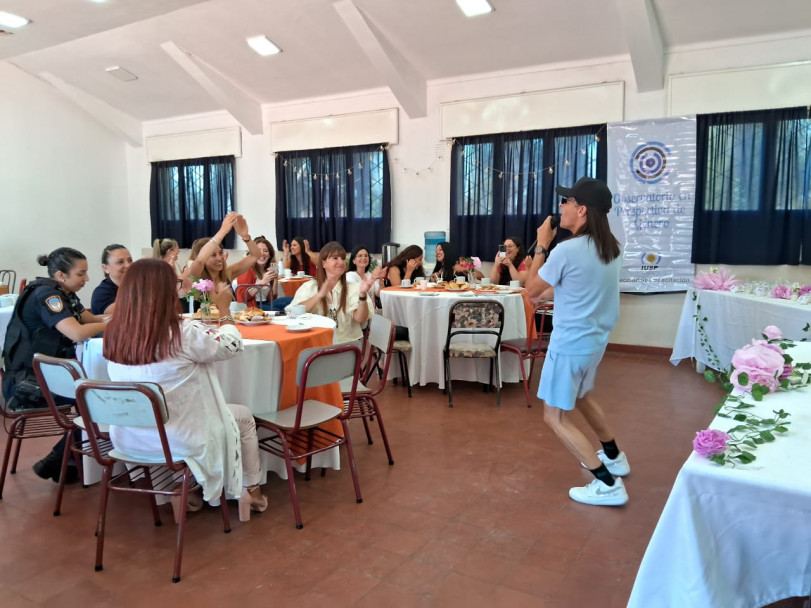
(9, 20)
(471, 8)
(263, 46)
(120, 73)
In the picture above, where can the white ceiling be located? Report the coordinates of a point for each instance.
(74, 40)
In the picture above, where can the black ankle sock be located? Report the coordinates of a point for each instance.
(610, 448)
(603, 475)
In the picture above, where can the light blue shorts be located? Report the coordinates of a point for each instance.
(567, 378)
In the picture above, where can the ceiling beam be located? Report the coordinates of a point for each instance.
(120, 123)
(240, 104)
(644, 38)
(401, 77)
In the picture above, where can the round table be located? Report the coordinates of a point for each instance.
(426, 317)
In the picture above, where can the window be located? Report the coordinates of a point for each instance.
(334, 194)
(752, 188)
(501, 185)
(189, 198)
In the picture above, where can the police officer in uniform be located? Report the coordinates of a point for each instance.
(48, 318)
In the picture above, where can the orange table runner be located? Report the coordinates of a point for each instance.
(290, 345)
(290, 286)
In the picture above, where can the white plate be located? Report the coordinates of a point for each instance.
(406, 286)
(428, 294)
(265, 322)
(299, 328)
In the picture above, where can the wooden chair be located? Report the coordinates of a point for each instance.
(402, 348)
(529, 349)
(57, 379)
(295, 432)
(137, 404)
(23, 424)
(480, 318)
(381, 341)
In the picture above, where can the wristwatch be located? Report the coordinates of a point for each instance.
(542, 250)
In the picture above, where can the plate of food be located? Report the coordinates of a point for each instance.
(457, 286)
(251, 316)
(487, 288)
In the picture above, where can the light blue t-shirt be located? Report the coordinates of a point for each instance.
(587, 296)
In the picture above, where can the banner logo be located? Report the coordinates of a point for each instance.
(649, 162)
(650, 261)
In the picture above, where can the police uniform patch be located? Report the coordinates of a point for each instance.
(54, 303)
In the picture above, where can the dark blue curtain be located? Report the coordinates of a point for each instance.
(752, 188)
(188, 199)
(334, 194)
(501, 186)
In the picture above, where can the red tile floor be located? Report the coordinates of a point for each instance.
(475, 512)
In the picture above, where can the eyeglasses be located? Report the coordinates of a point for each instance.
(566, 199)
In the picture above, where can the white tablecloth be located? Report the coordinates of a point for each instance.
(426, 318)
(733, 319)
(737, 537)
(5, 317)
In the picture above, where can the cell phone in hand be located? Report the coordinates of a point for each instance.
(502, 251)
(555, 221)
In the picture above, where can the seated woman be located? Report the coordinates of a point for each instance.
(115, 259)
(359, 262)
(48, 318)
(447, 264)
(509, 264)
(208, 260)
(263, 274)
(166, 250)
(148, 341)
(298, 257)
(406, 265)
(330, 295)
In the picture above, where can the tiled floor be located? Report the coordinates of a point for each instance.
(475, 512)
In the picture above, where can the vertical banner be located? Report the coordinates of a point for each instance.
(652, 175)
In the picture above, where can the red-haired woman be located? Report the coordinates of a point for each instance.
(149, 342)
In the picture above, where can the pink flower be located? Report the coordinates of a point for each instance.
(762, 362)
(772, 333)
(710, 442)
(805, 289)
(716, 280)
(781, 291)
(477, 263)
(203, 285)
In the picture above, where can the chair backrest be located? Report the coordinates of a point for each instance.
(476, 317)
(381, 339)
(326, 365)
(259, 296)
(542, 311)
(57, 378)
(9, 277)
(122, 404)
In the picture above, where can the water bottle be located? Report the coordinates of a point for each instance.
(280, 268)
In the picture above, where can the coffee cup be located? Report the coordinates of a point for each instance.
(235, 307)
(296, 311)
(288, 273)
(485, 281)
(300, 274)
(515, 284)
(419, 280)
(405, 283)
(8, 300)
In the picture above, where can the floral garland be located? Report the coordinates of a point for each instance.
(758, 369)
(703, 338)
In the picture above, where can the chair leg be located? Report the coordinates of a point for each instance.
(181, 527)
(351, 458)
(291, 482)
(525, 379)
(497, 365)
(382, 431)
(68, 436)
(366, 428)
(17, 447)
(105, 492)
(404, 368)
(447, 364)
(226, 520)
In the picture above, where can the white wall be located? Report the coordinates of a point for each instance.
(63, 179)
(421, 203)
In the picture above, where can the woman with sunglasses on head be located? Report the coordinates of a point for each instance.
(509, 263)
(148, 341)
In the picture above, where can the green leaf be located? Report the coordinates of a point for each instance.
(758, 440)
(743, 378)
(709, 375)
(746, 457)
(767, 435)
(787, 359)
(781, 429)
(750, 443)
(718, 459)
(727, 386)
(781, 414)
(740, 417)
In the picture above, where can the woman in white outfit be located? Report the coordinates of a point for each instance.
(149, 342)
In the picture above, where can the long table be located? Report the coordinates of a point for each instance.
(737, 536)
(426, 318)
(732, 320)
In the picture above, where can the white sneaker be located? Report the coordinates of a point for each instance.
(597, 493)
(618, 467)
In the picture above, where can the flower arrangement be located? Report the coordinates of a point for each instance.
(757, 369)
(201, 291)
(716, 279)
(468, 264)
(783, 292)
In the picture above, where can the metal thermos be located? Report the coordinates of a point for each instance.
(390, 251)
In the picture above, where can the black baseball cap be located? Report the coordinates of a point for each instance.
(590, 192)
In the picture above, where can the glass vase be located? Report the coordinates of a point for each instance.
(205, 311)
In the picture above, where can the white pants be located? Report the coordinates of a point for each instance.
(251, 469)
